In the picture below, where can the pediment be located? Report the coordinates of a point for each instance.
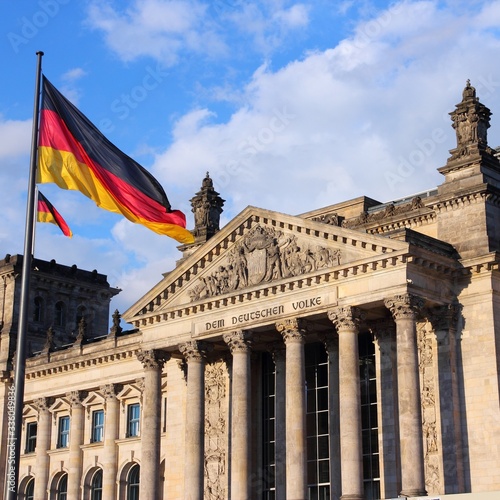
(258, 249)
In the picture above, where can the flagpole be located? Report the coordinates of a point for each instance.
(16, 392)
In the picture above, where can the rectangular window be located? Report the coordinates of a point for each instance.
(31, 428)
(133, 419)
(63, 432)
(98, 426)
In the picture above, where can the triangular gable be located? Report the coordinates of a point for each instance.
(256, 248)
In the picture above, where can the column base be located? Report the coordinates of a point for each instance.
(413, 493)
(352, 497)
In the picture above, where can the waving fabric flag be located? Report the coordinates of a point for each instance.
(73, 154)
(47, 213)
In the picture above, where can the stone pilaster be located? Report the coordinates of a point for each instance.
(239, 345)
(296, 458)
(152, 361)
(404, 311)
(42, 445)
(110, 453)
(384, 333)
(75, 442)
(346, 320)
(194, 354)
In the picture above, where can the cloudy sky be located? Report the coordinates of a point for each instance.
(289, 105)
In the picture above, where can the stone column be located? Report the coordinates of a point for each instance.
(295, 425)
(75, 443)
(346, 320)
(404, 310)
(194, 354)
(42, 445)
(239, 345)
(384, 333)
(110, 452)
(152, 361)
(331, 343)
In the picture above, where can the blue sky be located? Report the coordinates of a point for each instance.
(289, 105)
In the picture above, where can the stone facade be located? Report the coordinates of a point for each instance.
(352, 351)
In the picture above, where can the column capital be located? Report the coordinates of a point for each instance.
(292, 330)
(43, 404)
(194, 350)
(444, 318)
(152, 359)
(109, 391)
(76, 397)
(404, 306)
(238, 341)
(346, 318)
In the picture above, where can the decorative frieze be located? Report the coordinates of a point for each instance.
(263, 255)
(216, 377)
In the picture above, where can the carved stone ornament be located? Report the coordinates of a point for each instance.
(238, 341)
(194, 350)
(215, 431)
(404, 306)
(263, 255)
(109, 391)
(43, 404)
(291, 330)
(76, 397)
(346, 318)
(153, 358)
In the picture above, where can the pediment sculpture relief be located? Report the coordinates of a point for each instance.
(264, 255)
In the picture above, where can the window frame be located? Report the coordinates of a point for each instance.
(63, 432)
(133, 422)
(97, 430)
(30, 444)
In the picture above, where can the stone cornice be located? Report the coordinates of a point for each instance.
(78, 361)
(482, 264)
(277, 288)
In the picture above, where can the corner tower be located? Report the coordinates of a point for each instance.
(469, 198)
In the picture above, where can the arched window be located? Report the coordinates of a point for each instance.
(60, 318)
(29, 492)
(96, 486)
(62, 488)
(133, 483)
(38, 310)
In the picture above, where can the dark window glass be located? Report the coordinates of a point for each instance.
(133, 419)
(29, 493)
(63, 432)
(268, 422)
(38, 310)
(60, 314)
(97, 426)
(133, 483)
(31, 429)
(62, 488)
(96, 486)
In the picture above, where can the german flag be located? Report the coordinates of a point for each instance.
(47, 213)
(73, 154)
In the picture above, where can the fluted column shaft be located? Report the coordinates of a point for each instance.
(75, 443)
(110, 452)
(295, 425)
(42, 445)
(195, 418)
(153, 361)
(239, 345)
(403, 309)
(280, 431)
(346, 321)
